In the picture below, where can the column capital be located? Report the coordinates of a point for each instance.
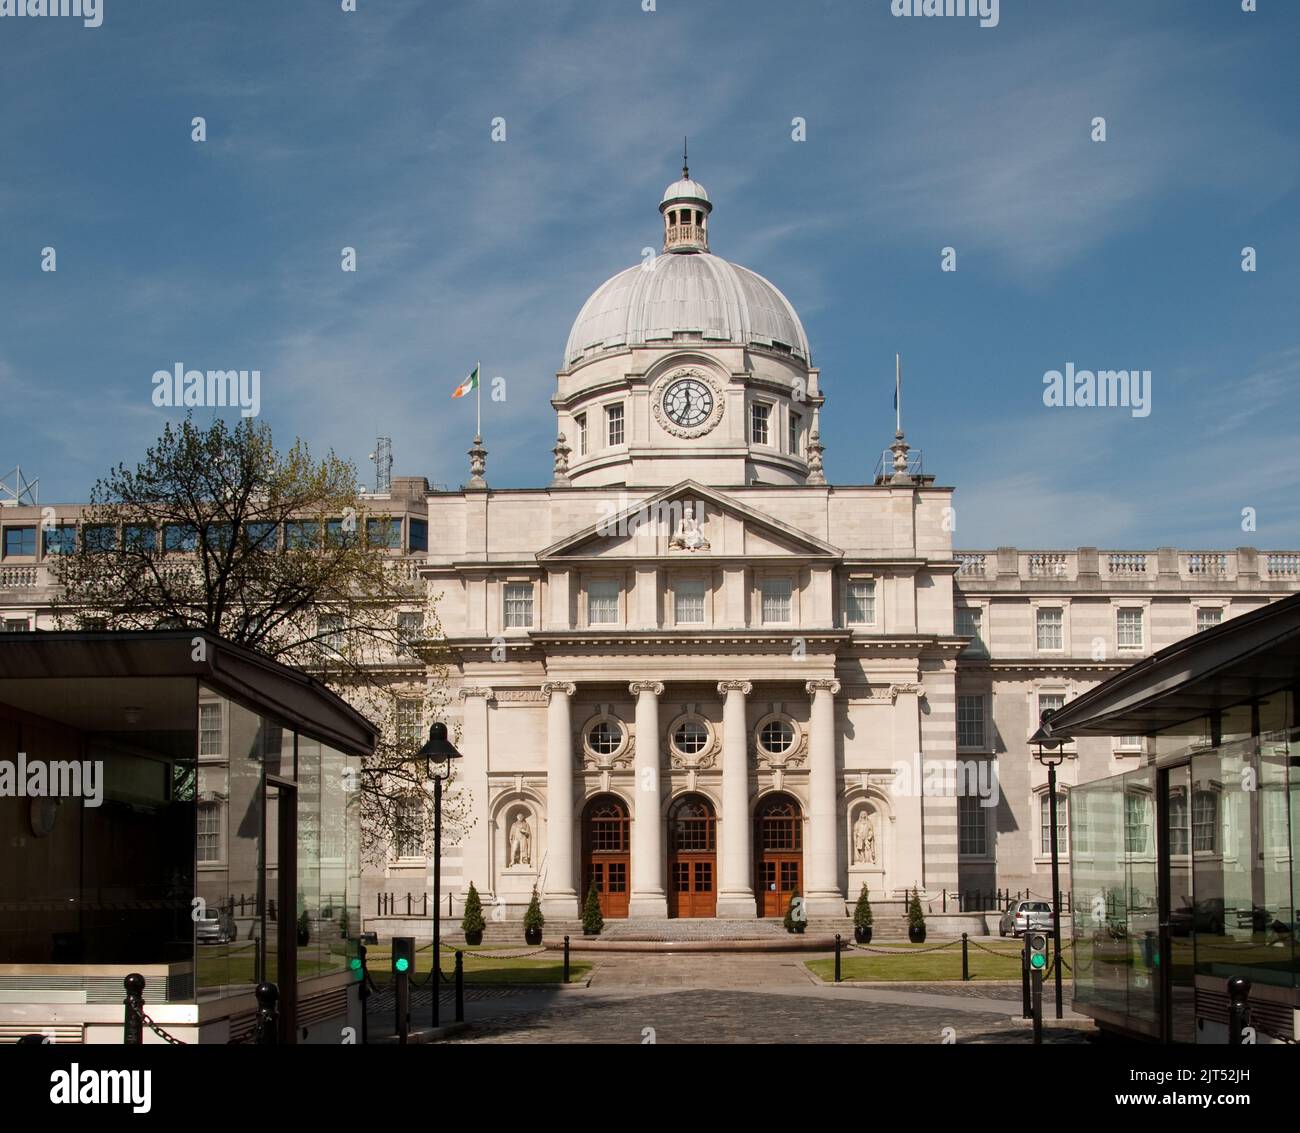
(638, 687)
(471, 690)
(565, 688)
(742, 687)
(831, 685)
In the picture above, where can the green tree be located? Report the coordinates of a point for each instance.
(592, 920)
(533, 918)
(915, 915)
(862, 914)
(473, 920)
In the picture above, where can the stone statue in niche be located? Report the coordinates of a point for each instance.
(521, 841)
(864, 840)
(689, 535)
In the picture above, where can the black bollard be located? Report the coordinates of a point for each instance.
(1238, 1009)
(133, 1005)
(965, 958)
(460, 986)
(566, 960)
(266, 1030)
(837, 957)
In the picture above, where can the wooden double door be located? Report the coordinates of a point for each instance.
(692, 858)
(778, 854)
(607, 854)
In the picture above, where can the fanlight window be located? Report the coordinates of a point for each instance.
(605, 738)
(777, 737)
(780, 825)
(607, 827)
(691, 826)
(691, 737)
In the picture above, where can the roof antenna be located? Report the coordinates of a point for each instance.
(686, 169)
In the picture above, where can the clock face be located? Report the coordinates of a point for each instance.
(688, 402)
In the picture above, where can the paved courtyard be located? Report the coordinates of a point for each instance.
(639, 998)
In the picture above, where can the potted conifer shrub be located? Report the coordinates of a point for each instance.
(592, 921)
(791, 922)
(304, 929)
(862, 917)
(473, 924)
(915, 919)
(533, 920)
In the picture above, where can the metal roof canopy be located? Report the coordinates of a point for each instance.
(1242, 660)
(264, 686)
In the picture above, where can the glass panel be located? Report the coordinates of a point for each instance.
(1182, 909)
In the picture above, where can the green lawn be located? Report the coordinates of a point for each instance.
(910, 962)
(545, 968)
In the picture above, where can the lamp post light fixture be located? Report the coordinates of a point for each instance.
(1048, 752)
(437, 755)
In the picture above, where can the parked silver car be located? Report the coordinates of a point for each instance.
(214, 927)
(1024, 915)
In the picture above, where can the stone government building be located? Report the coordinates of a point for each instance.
(695, 672)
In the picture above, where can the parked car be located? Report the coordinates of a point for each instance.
(215, 927)
(1024, 915)
(1203, 916)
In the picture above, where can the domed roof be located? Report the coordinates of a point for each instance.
(686, 189)
(695, 293)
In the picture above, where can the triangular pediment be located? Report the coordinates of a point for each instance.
(689, 521)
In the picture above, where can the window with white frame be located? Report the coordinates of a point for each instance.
(1137, 823)
(776, 600)
(209, 832)
(410, 624)
(210, 739)
(970, 721)
(1050, 628)
(614, 424)
(1129, 743)
(1045, 824)
(688, 602)
(602, 602)
(410, 735)
(860, 603)
(408, 828)
(519, 605)
(972, 826)
(15, 625)
(1052, 701)
(794, 433)
(1205, 821)
(580, 427)
(329, 630)
(969, 622)
(1207, 617)
(1128, 627)
(1178, 826)
(760, 420)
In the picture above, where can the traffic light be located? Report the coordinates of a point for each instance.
(1037, 947)
(403, 955)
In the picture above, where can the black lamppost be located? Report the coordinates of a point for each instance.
(1048, 752)
(437, 755)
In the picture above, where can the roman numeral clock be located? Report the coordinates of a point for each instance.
(687, 402)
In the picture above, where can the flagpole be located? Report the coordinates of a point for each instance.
(478, 400)
(898, 396)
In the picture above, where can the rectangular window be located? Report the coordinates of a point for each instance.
(410, 625)
(418, 538)
(1129, 743)
(519, 605)
(1045, 825)
(1205, 821)
(20, 541)
(794, 434)
(15, 625)
(140, 537)
(860, 604)
(99, 538)
(1207, 617)
(209, 832)
(1050, 627)
(302, 534)
(262, 536)
(970, 721)
(1050, 702)
(409, 733)
(970, 623)
(580, 423)
(759, 417)
(776, 600)
(602, 602)
(181, 538)
(1137, 823)
(1128, 628)
(688, 603)
(329, 629)
(408, 823)
(218, 536)
(614, 420)
(972, 826)
(210, 737)
(341, 533)
(384, 532)
(61, 540)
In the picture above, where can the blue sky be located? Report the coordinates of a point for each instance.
(372, 130)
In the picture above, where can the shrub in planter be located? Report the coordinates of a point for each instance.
(533, 920)
(473, 924)
(592, 921)
(915, 919)
(791, 923)
(862, 917)
(343, 924)
(304, 929)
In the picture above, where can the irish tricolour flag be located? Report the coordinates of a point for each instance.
(469, 385)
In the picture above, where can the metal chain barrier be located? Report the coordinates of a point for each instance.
(899, 951)
(994, 952)
(171, 1040)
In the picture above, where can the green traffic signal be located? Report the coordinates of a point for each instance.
(355, 963)
(1037, 960)
(401, 963)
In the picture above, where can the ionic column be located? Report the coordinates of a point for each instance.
(736, 880)
(559, 888)
(648, 897)
(822, 865)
